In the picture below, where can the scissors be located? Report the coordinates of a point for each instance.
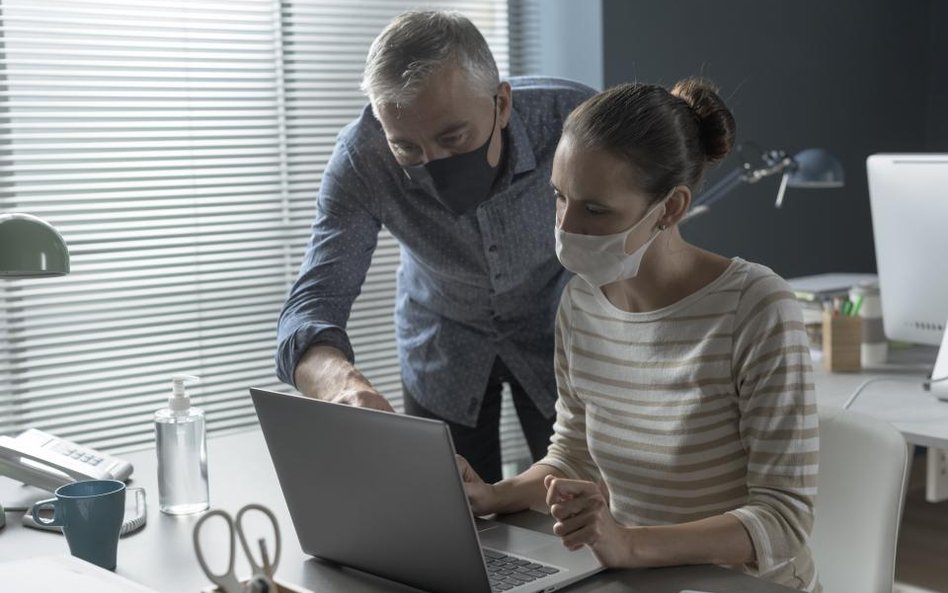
(262, 579)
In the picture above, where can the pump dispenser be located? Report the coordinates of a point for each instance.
(182, 452)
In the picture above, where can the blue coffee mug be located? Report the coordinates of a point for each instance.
(90, 513)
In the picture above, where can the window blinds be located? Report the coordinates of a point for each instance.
(178, 147)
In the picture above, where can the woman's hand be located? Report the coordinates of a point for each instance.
(481, 495)
(582, 514)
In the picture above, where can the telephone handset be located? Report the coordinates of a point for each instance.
(40, 459)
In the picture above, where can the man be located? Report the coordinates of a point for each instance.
(456, 164)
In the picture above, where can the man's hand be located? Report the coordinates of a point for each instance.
(364, 398)
(481, 495)
(581, 510)
(325, 373)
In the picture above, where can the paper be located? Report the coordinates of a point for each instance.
(820, 285)
(63, 573)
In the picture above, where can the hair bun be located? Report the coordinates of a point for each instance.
(715, 121)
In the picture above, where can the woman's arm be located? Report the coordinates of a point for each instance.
(583, 518)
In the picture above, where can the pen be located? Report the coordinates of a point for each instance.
(856, 305)
(847, 308)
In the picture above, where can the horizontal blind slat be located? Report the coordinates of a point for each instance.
(153, 136)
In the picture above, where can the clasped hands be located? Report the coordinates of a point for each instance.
(580, 507)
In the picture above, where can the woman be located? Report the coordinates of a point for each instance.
(686, 429)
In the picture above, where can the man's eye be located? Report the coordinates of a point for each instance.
(593, 209)
(404, 148)
(452, 140)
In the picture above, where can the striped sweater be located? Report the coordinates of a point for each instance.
(700, 408)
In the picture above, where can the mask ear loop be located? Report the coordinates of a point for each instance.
(663, 227)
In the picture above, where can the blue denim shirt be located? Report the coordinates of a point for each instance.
(470, 287)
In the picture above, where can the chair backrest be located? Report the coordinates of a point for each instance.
(864, 466)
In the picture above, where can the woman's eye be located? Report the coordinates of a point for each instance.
(592, 209)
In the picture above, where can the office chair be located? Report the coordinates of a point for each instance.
(864, 467)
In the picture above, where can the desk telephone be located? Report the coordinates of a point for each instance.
(40, 459)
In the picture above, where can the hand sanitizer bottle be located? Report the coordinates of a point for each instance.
(182, 453)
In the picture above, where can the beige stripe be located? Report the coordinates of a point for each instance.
(774, 481)
(689, 429)
(668, 501)
(718, 315)
(662, 364)
(678, 449)
(785, 388)
(654, 517)
(777, 351)
(762, 304)
(612, 461)
(703, 398)
(700, 340)
(785, 370)
(656, 418)
(648, 516)
(704, 382)
(780, 410)
(734, 475)
(781, 434)
(788, 328)
(786, 459)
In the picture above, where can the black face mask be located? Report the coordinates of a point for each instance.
(459, 182)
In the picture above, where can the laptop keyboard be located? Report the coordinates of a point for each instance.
(506, 572)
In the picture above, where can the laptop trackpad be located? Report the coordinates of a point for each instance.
(525, 542)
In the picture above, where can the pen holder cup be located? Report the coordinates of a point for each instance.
(281, 588)
(842, 342)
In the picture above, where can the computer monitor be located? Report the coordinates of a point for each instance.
(908, 195)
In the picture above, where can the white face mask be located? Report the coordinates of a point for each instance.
(601, 259)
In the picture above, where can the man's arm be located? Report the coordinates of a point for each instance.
(313, 349)
(324, 372)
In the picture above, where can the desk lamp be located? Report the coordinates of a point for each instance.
(810, 168)
(30, 248)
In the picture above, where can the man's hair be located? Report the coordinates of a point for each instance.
(417, 44)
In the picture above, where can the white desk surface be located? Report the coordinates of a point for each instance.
(918, 414)
(161, 556)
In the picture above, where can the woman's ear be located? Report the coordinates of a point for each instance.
(676, 206)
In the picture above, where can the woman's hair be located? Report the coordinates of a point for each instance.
(415, 45)
(669, 138)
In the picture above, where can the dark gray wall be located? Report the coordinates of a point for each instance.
(851, 76)
(938, 97)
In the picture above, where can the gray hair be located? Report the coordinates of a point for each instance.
(415, 45)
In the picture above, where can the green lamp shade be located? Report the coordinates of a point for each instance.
(31, 248)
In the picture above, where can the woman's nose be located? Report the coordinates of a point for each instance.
(566, 220)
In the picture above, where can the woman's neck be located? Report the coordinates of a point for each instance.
(671, 270)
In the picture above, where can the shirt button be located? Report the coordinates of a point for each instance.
(492, 248)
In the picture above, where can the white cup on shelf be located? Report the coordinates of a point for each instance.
(874, 350)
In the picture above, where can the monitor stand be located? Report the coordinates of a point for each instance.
(940, 388)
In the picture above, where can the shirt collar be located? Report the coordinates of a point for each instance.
(522, 158)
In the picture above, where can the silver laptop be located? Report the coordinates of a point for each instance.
(381, 492)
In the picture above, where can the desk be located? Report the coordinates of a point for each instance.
(918, 414)
(161, 555)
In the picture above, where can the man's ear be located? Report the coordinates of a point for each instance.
(504, 103)
(676, 206)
